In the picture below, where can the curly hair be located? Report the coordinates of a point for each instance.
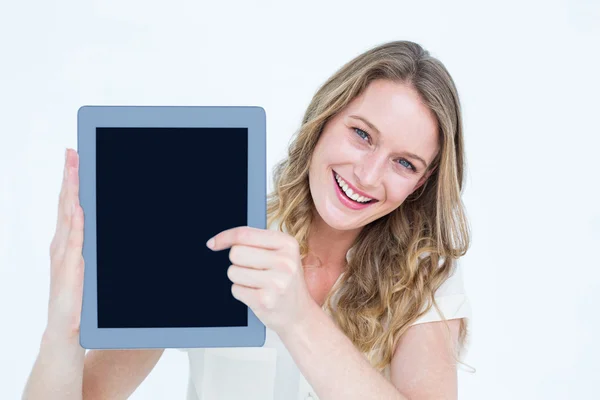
(398, 261)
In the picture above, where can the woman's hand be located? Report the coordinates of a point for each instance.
(66, 259)
(267, 274)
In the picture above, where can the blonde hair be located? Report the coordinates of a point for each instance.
(398, 261)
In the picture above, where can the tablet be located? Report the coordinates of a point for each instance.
(156, 182)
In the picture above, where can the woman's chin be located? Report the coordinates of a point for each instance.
(336, 219)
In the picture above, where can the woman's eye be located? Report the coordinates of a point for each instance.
(360, 133)
(408, 165)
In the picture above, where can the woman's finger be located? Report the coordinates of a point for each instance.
(256, 279)
(64, 225)
(63, 191)
(256, 299)
(70, 197)
(245, 294)
(75, 181)
(73, 254)
(60, 214)
(248, 236)
(254, 257)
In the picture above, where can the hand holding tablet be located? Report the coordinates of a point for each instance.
(155, 184)
(267, 274)
(66, 260)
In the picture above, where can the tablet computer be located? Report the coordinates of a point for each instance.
(156, 182)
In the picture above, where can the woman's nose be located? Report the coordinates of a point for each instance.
(370, 171)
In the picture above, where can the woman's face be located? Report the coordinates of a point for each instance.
(385, 160)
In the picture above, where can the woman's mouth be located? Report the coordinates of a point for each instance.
(347, 197)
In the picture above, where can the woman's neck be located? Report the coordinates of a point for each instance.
(328, 246)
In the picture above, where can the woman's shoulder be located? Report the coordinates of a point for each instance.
(451, 299)
(454, 284)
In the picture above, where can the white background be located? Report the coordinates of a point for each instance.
(527, 73)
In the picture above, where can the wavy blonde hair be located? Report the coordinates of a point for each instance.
(398, 261)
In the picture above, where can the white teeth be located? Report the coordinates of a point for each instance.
(344, 186)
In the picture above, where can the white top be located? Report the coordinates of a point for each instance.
(270, 373)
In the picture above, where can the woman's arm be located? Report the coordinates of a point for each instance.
(337, 370)
(63, 371)
(58, 370)
(423, 366)
(116, 374)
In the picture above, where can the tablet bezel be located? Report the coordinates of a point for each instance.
(91, 117)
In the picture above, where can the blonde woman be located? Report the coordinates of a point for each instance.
(356, 278)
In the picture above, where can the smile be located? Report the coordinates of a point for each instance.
(348, 197)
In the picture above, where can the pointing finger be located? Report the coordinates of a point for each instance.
(246, 236)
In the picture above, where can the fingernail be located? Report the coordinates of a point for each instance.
(211, 243)
(66, 153)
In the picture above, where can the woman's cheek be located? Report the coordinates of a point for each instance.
(398, 194)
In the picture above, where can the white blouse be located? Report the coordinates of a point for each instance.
(270, 373)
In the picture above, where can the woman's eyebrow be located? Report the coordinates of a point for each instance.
(373, 127)
(366, 122)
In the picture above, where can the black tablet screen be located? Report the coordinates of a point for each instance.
(161, 193)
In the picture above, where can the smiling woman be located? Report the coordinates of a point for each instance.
(371, 226)
(371, 189)
(356, 277)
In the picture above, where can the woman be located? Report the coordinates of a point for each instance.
(356, 278)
